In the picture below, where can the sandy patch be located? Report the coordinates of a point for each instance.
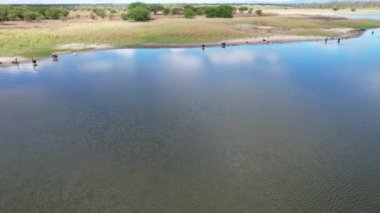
(81, 46)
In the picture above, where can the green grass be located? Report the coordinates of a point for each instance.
(42, 41)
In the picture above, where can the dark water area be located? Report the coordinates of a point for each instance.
(267, 128)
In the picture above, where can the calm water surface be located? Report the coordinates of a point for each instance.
(267, 128)
(361, 16)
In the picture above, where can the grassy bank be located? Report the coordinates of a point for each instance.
(42, 38)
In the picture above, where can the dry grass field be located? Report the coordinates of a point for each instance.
(45, 37)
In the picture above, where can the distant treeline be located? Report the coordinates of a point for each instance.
(342, 5)
(29, 13)
(139, 11)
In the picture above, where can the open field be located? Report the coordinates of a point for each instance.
(42, 38)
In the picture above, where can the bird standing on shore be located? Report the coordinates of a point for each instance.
(34, 61)
(15, 61)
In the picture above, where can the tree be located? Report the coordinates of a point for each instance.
(250, 11)
(259, 12)
(211, 12)
(31, 15)
(243, 8)
(137, 14)
(4, 11)
(18, 12)
(223, 11)
(166, 11)
(188, 7)
(177, 10)
(156, 8)
(190, 13)
(12, 15)
(55, 13)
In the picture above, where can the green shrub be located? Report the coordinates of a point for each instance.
(259, 12)
(93, 16)
(101, 12)
(353, 9)
(40, 18)
(243, 8)
(176, 10)
(62, 17)
(223, 11)
(31, 15)
(137, 14)
(190, 13)
(335, 8)
(200, 11)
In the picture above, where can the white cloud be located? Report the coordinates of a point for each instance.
(96, 66)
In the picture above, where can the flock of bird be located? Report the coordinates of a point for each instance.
(223, 44)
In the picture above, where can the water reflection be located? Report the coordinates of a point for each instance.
(181, 60)
(267, 128)
(230, 57)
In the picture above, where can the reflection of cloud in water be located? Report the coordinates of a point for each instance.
(231, 56)
(117, 57)
(178, 59)
(126, 53)
(96, 66)
(271, 57)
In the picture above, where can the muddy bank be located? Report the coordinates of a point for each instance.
(270, 39)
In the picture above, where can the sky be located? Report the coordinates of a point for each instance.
(148, 1)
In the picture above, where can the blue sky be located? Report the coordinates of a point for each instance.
(150, 1)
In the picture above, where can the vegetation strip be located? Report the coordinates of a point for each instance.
(160, 26)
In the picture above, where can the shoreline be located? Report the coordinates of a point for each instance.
(6, 61)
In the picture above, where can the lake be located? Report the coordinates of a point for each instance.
(258, 128)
